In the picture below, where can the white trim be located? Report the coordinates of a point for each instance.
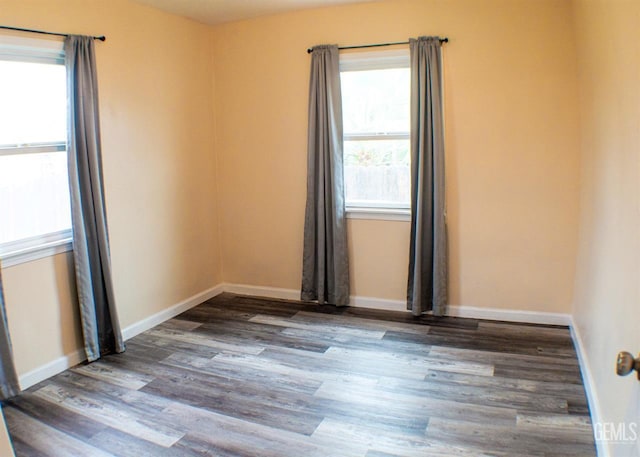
(67, 361)
(377, 303)
(32, 49)
(262, 291)
(602, 447)
(168, 313)
(293, 294)
(508, 315)
(36, 148)
(380, 214)
(51, 369)
(49, 249)
(375, 60)
(375, 136)
(62, 363)
(378, 205)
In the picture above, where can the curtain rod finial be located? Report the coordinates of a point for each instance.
(309, 50)
(101, 38)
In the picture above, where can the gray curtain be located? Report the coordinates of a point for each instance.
(427, 285)
(9, 385)
(325, 264)
(100, 325)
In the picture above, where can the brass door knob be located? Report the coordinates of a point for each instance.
(625, 364)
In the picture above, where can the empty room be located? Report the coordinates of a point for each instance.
(328, 228)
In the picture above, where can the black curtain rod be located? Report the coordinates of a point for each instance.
(376, 45)
(6, 27)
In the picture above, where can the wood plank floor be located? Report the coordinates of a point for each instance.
(242, 376)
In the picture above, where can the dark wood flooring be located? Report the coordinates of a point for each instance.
(242, 376)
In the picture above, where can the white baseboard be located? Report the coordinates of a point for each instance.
(62, 363)
(589, 387)
(377, 303)
(67, 361)
(293, 294)
(51, 369)
(262, 291)
(509, 315)
(166, 314)
(357, 301)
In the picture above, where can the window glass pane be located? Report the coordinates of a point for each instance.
(377, 172)
(34, 189)
(375, 101)
(33, 103)
(34, 195)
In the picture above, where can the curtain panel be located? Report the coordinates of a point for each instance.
(9, 385)
(100, 326)
(427, 284)
(325, 264)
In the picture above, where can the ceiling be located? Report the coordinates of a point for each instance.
(219, 11)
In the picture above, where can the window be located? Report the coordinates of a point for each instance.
(375, 105)
(34, 189)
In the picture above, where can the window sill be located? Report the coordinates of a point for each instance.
(12, 258)
(380, 214)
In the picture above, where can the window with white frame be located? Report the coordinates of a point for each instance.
(35, 217)
(375, 109)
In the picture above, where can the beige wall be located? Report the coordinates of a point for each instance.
(511, 157)
(154, 72)
(175, 144)
(42, 311)
(512, 148)
(607, 300)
